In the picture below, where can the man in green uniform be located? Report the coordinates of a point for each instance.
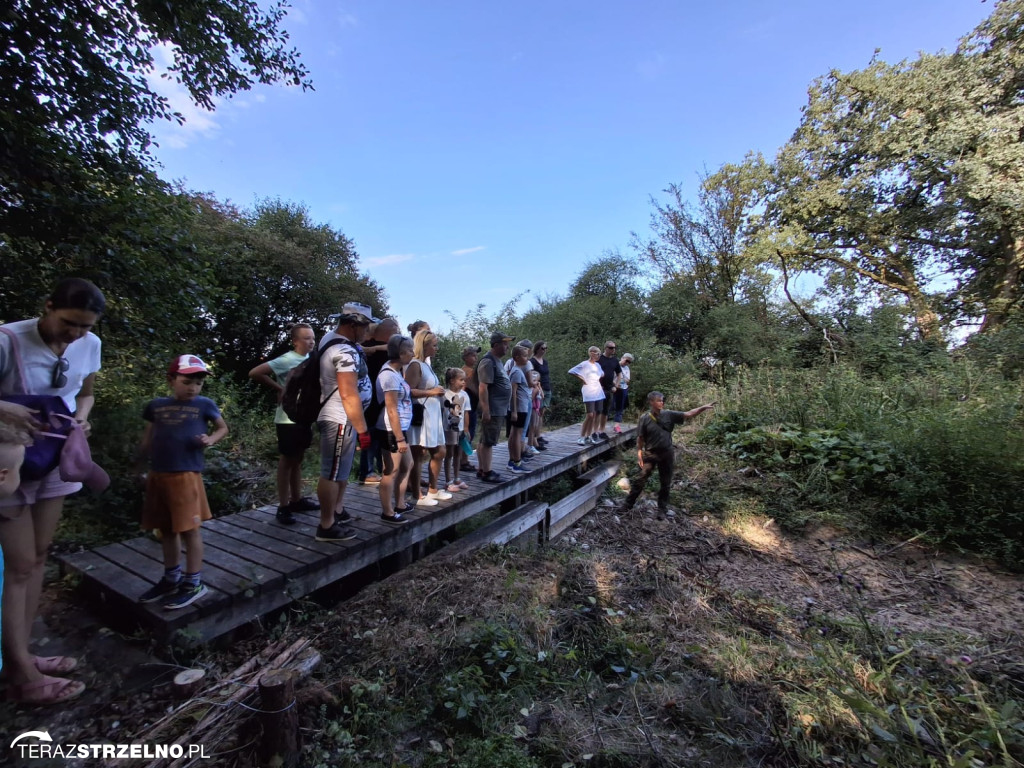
(655, 450)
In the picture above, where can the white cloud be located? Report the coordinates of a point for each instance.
(464, 251)
(394, 258)
(198, 121)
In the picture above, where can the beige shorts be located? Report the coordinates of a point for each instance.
(49, 487)
(175, 502)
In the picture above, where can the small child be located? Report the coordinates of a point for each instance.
(456, 405)
(537, 402)
(174, 441)
(519, 407)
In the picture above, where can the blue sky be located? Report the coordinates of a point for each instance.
(474, 151)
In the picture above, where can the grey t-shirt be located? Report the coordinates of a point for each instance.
(499, 389)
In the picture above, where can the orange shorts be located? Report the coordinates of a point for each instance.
(175, 502)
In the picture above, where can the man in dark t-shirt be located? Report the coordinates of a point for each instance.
(654, 448)
(495, 391)
(610, 373)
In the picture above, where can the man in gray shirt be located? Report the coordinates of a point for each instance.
(495, 391)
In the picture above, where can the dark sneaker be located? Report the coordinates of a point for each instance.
(343, 516)
(285, 516)
(162, 588)
(305, 504)
(185, 595)
(603, 435)
(396, 519)
(491, 477)
(334, 533)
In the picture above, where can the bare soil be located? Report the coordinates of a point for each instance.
(685, 572)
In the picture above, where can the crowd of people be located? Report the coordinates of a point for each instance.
(379, 393)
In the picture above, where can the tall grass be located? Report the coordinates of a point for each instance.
(954, 432)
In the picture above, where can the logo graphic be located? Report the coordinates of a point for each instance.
(41, 735)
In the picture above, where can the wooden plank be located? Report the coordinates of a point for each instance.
(290, 563)
(214, 540)
(566, 511)
(500, 531)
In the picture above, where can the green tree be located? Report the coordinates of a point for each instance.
(909, 177)
(76, 100)
(272, 266)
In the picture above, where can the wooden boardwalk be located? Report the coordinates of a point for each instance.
(254, 565)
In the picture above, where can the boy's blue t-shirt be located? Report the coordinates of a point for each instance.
(177, 425)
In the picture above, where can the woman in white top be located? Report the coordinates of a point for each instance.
(56, 354)
(426, 439)
(589, 372)
(622, 393)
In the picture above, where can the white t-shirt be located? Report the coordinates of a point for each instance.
(38, 361)
(591, 373)
(624, 379)
(341, 358)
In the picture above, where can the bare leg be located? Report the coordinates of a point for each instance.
(328, 493)
(387, 483)
(434, 467)
(295, 478)
(419, 453)
(170, 542)
(193, 550)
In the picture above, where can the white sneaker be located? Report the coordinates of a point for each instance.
(438, 494)
(582, 441)
(595, 439)
(426, 501)
(530, 451)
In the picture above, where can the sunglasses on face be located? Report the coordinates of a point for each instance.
(58, 376)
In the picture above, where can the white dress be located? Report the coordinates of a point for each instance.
(591, 373)
(430, 433)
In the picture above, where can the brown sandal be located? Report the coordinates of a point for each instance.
(48, 690)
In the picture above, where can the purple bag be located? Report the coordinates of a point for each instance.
(61, 441)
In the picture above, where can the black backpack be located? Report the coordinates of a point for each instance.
(302, 399)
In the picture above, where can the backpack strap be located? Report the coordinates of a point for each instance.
(16, 354)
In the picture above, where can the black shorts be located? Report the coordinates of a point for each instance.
(293, 439)
(606, 405)
(387, 440)
(490, 431)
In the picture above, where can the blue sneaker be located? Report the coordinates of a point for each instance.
(517, 469)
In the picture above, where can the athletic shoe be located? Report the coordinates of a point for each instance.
(186, 594)
(517, 469)
(343, 516)
(396, 519)
(618, 429)
(334, 533)
(603, 435)
(466, 467)
(539, 447)
(162, 588)
(542, 440)
(491, 477)
(453, 487)
(463, 486)
(530, 451)
(439, 494)
(594, 439)
(284, 515)
(370, 480)
(426, 501)
(305, 504)
(583, 441)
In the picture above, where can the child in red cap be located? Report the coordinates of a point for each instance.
(177, 433)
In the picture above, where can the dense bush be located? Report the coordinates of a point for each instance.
(940, 452)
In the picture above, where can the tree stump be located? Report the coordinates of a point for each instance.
(187, 683)
(280, 744)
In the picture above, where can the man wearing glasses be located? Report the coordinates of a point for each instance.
(610, 376)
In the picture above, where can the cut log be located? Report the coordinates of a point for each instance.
(280, 743)
(188, 682)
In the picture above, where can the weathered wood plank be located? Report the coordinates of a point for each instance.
(255, 564)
